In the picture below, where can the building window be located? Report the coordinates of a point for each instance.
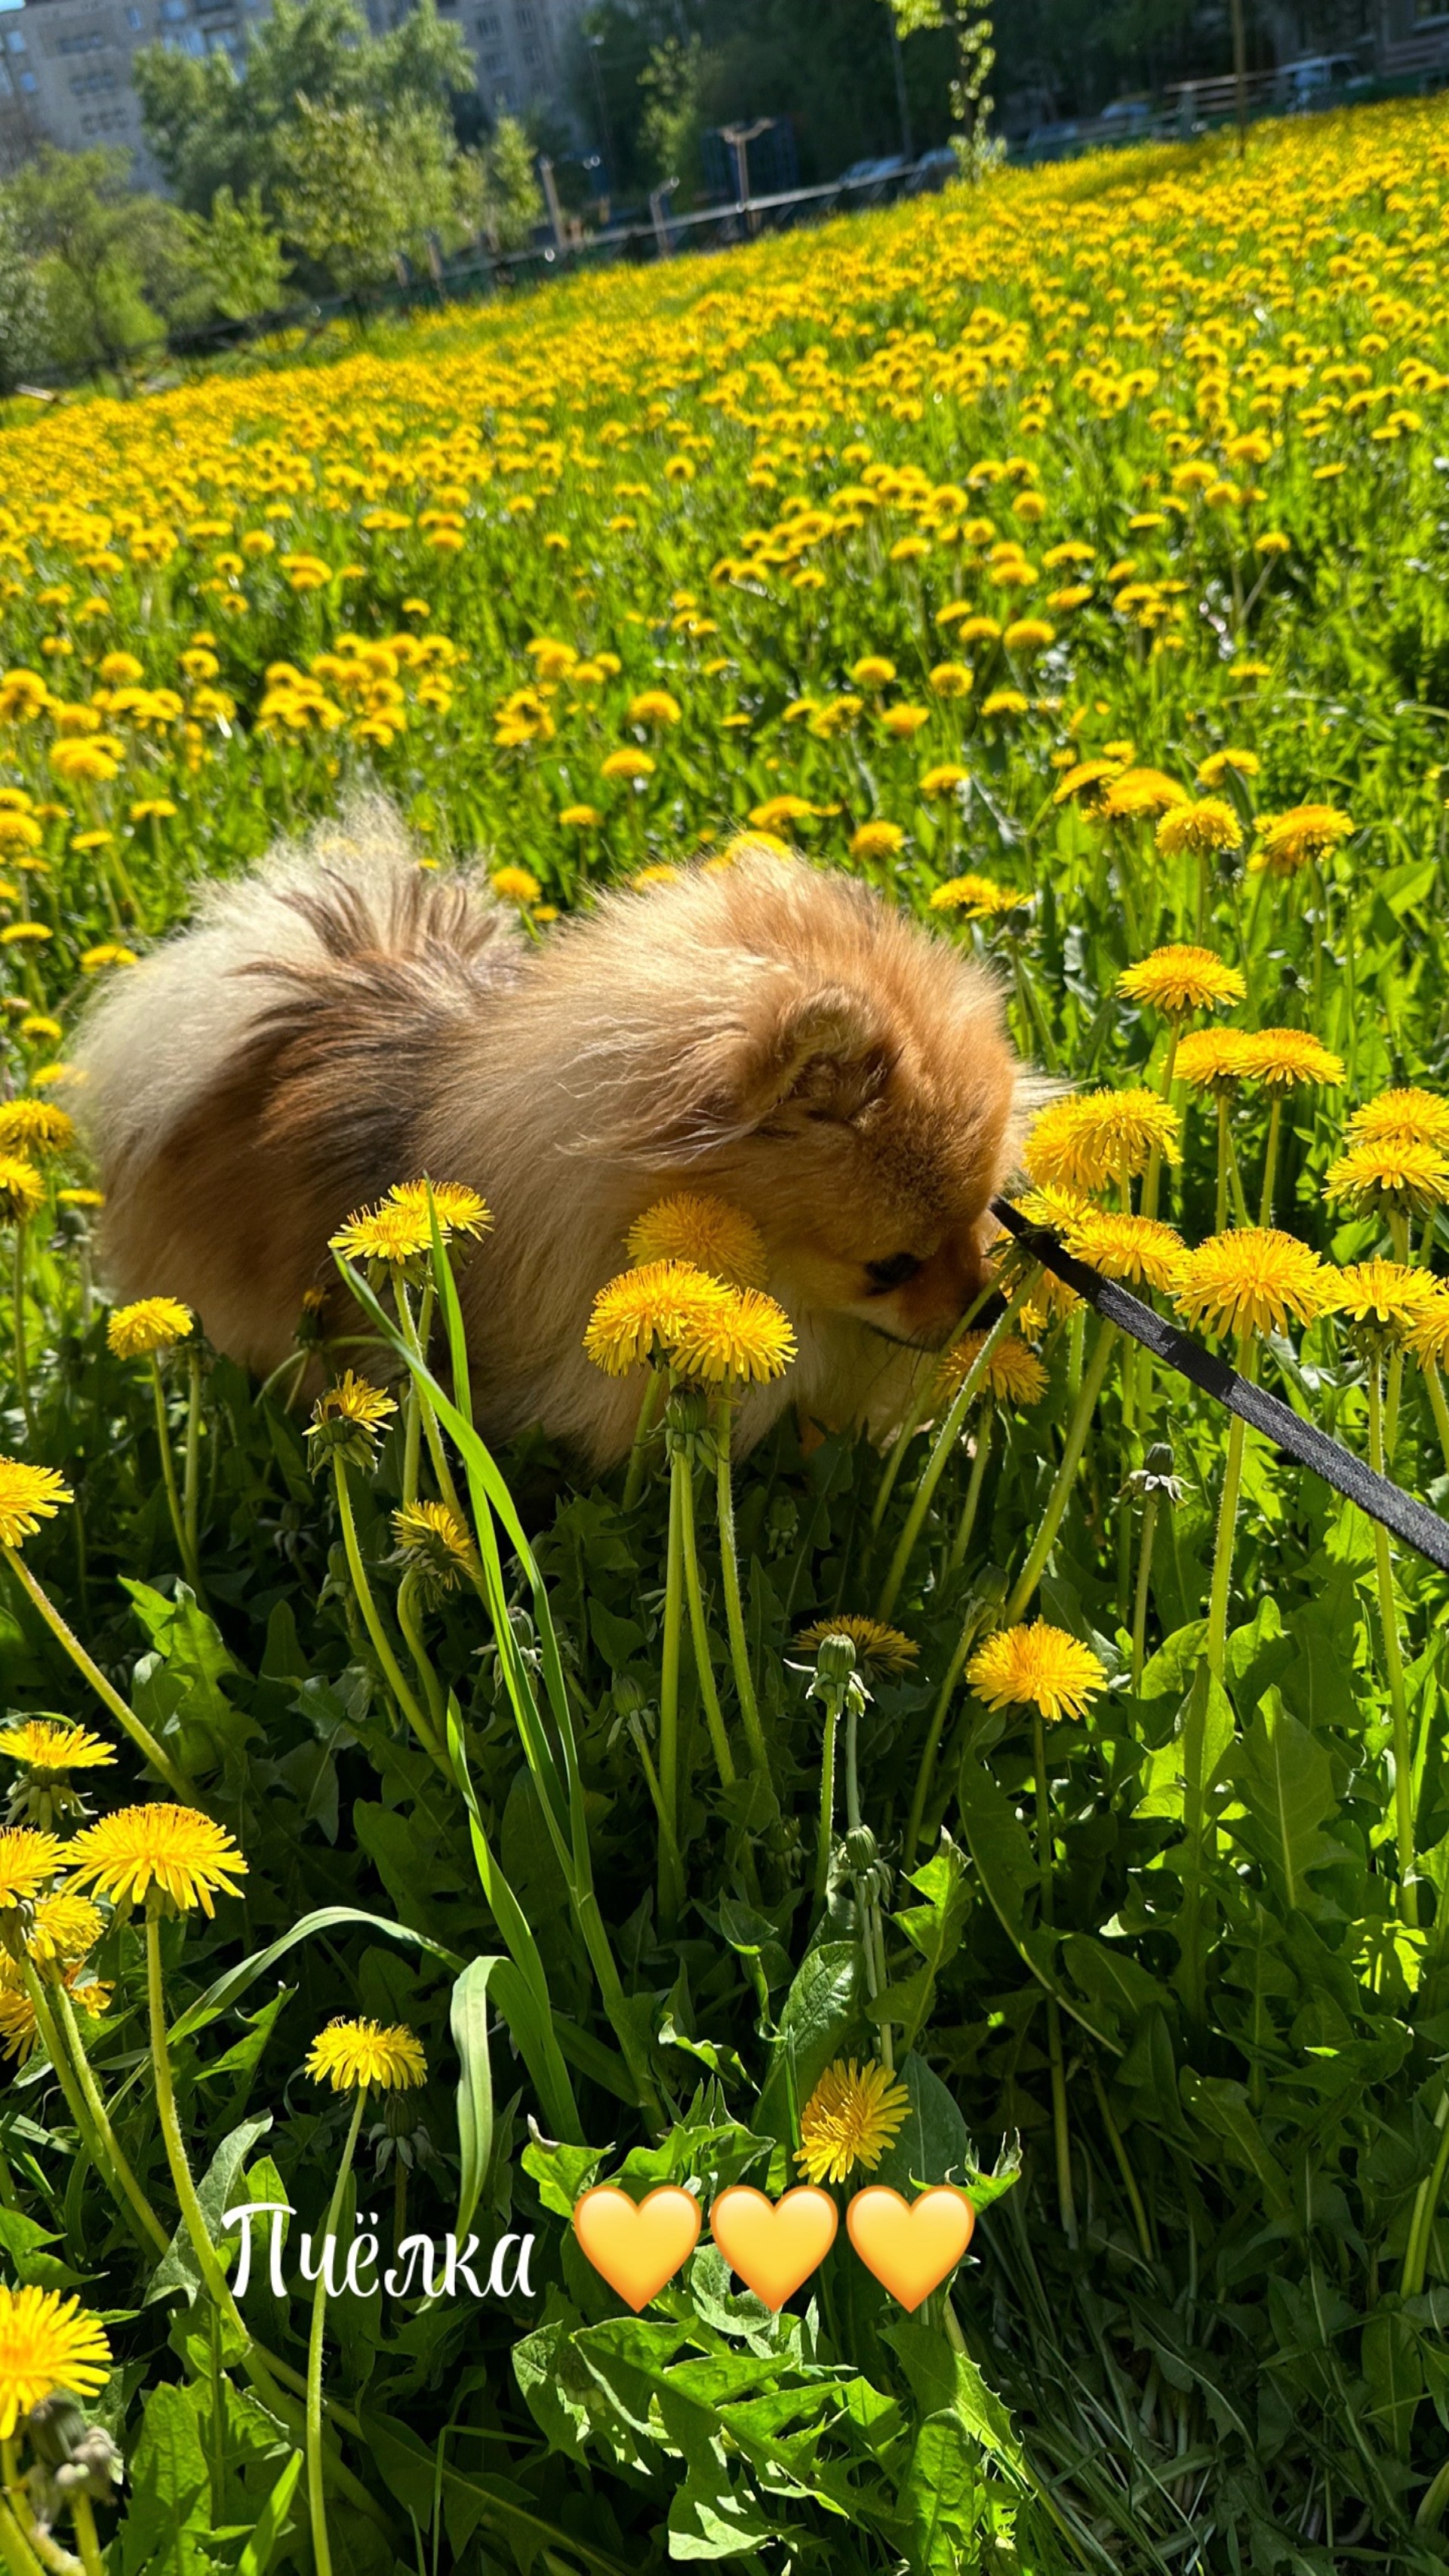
(28, 84)
(15, 40)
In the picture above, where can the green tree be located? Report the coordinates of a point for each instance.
(674, 85)
(239, 255)
(22, 307)
(211, 126)
(115, 268)
(512, 201)
(971, 102)
(358, 189)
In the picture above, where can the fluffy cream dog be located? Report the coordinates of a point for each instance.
(344, 1019)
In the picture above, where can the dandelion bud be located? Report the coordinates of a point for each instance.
(861, 1849)
(835, 1660)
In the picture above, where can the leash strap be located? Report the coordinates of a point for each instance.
(1383, 1501)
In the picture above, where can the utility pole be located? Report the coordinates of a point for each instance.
(1240, 75)
(908, 149)
(739, 138)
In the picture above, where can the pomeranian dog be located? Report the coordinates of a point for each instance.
(345, 1018)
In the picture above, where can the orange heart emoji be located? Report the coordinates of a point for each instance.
(910, 2245)
(774, 2245)
(637, 2245)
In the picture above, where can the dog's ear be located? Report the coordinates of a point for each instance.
(823, 1055)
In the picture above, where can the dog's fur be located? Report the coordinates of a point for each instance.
(344, 1019)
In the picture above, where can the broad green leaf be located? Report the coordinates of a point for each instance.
(170, 2517)
(468, 2021)
(178, 2269)
(260, 2550)
(1394, 2369)
(224, 1992)
(1284, 1777)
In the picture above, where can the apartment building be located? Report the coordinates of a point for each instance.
(65, 68)
(522, 48)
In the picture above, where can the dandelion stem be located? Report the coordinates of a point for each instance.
(1222, 1573)
(970, 1630)
(1441, 1407)
(638, 1454)
(95, 2104)
(944, 1443)
(415, 1336)
(734, 1608)
(1054, 2018)
(168, 1472)
(126, 1718)
(193, 2219)
(1225, 1150)
(970, 1507)
(316, 2465)
(671, 1887)
(75, 2099)
(18, 1293)
(1057, 1499)
(1270, 1159)
(1394, 1668)
(826, 1835)
(921, 1397)
(191, 1489)
(381, 1642)
(1144, 1580)
(83, 2523)
(656, 1794)
(407, 1619)
(699, 1633)
(19, 2557)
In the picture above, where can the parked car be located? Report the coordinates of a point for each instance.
(870, 179)
(1310, 81)
(934, 170)
(1050, 142)
(1127, 119)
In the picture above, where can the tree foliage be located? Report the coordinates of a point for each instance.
(211, 125)
(239, 255)
(115, 268)
(22, 306)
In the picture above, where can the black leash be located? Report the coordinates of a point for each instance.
(1411, 1521)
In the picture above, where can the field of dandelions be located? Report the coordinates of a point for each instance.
(1056, 1806)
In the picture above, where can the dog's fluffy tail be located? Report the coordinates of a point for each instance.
(256, 1077)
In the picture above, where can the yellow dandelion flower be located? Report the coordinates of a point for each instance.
(1176, 980)
(655, 707)
(1389, 1175)
(38, 1024)
(706, 1232)
(21, 933)
(17, 2020)
(903, 722)
(35, 1127)
(979, 898)
(1253, 1281)
(1102, 1137)
(887, 1652)
(1212, 771)
(1036, 1666)
(1086, 784)
(1284, 1057)
(943, 779)
(1385, 1302)
(1136, 795)
(1428, 1338)
(43, 1744)
(110, 952)
(1407, 1115)
(175, 1850)
(1196, 830)
(392, 1232)
(28, 1496)
(63, 1926)
(458, 1209)
(643, 1309)
(515, 885)
(349, 1417)
(1014, 1374)
(1211, 1059)
(1290, 841)
(28, 1858)
(356, 2056)
(872, 671)
(1139, 1248)
(850, 2119)
(22, 1190)
(746, 1336)
(432, 1537)
(877, 841)
(150, 1326)
(951, 680)
(48, 2345)
(580, 818)
(627, 764)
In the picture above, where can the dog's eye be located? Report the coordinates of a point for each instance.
(892, 1273)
